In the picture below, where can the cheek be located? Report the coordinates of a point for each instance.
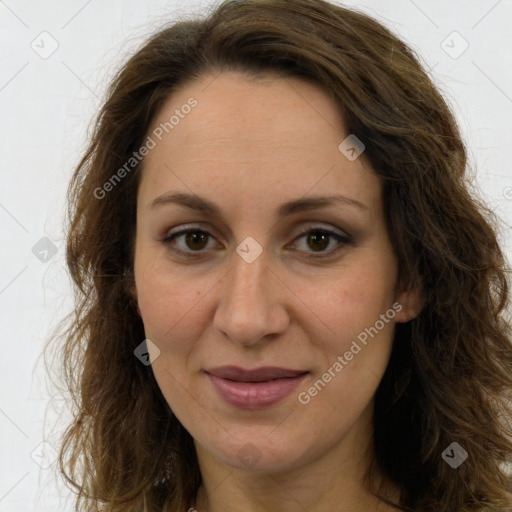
(355, 301)
(171, 314)
(351, 363)
(176, 308)
(358, 309)
(168, 313)
(165, 300)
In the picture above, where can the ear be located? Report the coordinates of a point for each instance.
(411, 298)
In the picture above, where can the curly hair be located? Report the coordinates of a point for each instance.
(450, 373)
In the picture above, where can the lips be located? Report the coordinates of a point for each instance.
(257, 375)
(254, 389)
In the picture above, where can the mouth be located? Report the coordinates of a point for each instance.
(254, 389)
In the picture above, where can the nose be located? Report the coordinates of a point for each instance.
(251, 308)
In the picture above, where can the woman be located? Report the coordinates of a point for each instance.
(287, 297)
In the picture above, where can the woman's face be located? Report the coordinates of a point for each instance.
(269, 278)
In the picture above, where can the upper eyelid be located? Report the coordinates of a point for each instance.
(182, 229)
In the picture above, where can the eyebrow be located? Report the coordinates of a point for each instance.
(196, 202)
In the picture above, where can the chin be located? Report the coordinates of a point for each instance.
(258, 453)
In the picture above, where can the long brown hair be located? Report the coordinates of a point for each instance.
(450, 372)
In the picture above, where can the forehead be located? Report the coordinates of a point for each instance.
(270, 136)
(247, 112)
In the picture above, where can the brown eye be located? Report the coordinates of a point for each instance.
(188, 242)
(196, 240)
(318, 240)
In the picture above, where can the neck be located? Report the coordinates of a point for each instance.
(274, 493)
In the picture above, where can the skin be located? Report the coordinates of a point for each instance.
(250, 145)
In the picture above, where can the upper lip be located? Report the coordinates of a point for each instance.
(261, 374)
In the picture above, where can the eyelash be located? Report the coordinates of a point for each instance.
(342, 239)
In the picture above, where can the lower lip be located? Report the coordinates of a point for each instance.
(255, 395)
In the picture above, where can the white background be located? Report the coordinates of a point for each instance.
(47, 105)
